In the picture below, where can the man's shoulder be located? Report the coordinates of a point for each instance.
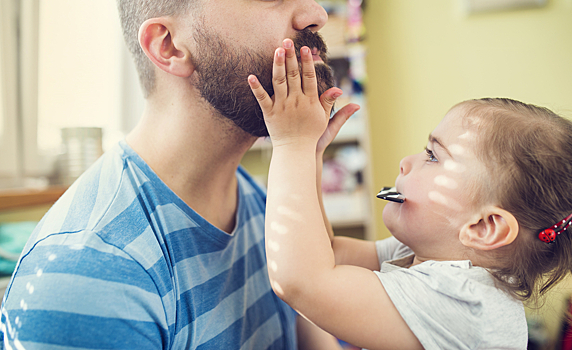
(109, 194)
(90, 196)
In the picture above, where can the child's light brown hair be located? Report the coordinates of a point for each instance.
(527, 151)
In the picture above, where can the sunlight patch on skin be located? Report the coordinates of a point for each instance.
(273, 245)
(454, 166)
(447, 182)
(273, 265)
(290, 213)
(439, 198)
(450, 220)
(456, 149)
(277, 288)
(474, 121)
(467, 136)
(280, 229)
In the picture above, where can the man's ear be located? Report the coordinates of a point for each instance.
(156, 40)
(492, 228)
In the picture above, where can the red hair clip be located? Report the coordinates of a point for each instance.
(549, 235)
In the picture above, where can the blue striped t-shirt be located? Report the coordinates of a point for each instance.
(121, 262)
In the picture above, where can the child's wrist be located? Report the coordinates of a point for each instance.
(295, 143)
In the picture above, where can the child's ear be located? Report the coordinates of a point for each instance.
(157, 41)
(491, 229)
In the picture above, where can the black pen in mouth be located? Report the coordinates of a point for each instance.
(391, 194)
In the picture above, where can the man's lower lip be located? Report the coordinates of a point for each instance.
(317, 58)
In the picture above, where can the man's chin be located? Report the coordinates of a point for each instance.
(250, 118)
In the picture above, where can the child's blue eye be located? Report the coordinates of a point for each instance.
(430, 155)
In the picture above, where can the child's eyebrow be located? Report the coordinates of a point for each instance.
(433, 139)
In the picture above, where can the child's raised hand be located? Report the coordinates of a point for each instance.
(296, 114)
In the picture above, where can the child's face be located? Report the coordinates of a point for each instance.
(439, 187)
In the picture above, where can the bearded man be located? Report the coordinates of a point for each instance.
(160, 244)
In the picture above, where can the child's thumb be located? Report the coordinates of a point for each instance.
(329, 97)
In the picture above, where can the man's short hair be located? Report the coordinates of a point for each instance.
(132, 13)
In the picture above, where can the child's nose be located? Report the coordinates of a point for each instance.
(405, 165)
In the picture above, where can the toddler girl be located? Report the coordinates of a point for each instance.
(482, 227)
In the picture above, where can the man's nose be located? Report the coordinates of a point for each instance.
(309, 14)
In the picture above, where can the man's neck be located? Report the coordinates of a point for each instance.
(195, 153)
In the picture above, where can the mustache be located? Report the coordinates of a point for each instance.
(312, 40)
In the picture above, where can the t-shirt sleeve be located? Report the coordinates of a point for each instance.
(439, 308)
(391, 249)
(79, 296)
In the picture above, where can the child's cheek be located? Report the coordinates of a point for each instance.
(454, 168)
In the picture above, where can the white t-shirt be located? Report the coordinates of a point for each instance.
(450, 304)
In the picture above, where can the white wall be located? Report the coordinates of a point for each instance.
(9, 166)
(82, 69)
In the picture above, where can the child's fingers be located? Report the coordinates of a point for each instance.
(261, 95)
(341, 116)
(334, 126)
(292, 70)
(309, 82)
(329, 97)
(279, 75)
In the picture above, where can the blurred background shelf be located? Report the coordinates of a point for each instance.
(22, 198)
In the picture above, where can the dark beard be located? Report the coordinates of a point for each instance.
(223, 71)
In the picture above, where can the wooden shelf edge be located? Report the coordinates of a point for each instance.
(21, 198)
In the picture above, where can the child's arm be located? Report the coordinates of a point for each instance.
(347, 251)
(347, 301)
(311, 337)
(319, 167)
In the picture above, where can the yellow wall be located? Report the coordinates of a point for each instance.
(425, 56)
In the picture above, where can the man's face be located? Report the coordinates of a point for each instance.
(225, 55)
